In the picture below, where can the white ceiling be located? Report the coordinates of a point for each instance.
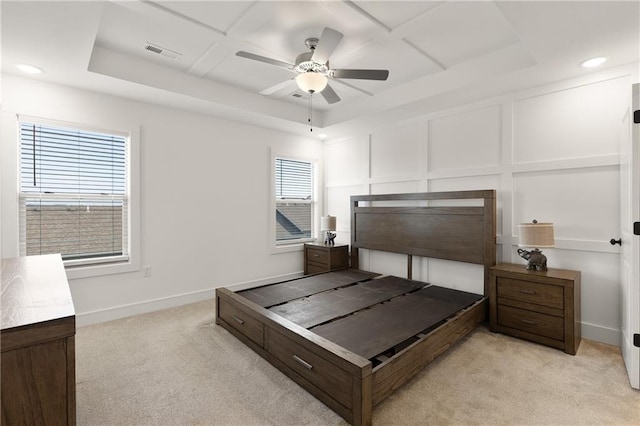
(436, 52)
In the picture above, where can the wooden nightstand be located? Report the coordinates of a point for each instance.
(322, 258)
(543, 307)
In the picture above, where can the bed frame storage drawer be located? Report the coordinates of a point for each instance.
(329, 378)
(336, 377)
(241, 321)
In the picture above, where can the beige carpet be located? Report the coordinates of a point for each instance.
(176, 367)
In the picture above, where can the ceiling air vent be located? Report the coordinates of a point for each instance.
(154, 48)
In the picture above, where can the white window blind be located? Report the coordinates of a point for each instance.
(73, 194)
(294, 200)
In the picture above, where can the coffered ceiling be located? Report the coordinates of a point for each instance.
(437, 52)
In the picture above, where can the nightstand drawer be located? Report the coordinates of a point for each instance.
(532, 322)
(317, 256)
(530, 292)
(313, 268)
(323, 258)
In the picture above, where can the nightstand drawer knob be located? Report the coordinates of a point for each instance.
(526, 321)
(527, 291)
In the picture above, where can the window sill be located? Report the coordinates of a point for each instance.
(97, 270)
(288, 248)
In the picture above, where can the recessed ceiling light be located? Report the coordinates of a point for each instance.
(29, 69)
(594, 62)
(323, 135)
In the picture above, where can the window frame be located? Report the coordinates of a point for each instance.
(297, 244)
(99, 266)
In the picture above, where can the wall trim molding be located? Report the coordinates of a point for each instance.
(263, 281)
(601, 334)
(146, 306)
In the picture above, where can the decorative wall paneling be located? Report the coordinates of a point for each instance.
(550, 152)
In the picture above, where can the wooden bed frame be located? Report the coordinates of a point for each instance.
(348, 383)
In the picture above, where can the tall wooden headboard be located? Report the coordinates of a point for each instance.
(460, 233)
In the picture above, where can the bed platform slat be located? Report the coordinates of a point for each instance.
(274, 294)
(373, 331)
(323, 307)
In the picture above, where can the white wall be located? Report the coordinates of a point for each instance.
(205, 198)
(551, 153)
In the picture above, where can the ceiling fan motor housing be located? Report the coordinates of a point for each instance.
(304, 63)
(311, 42)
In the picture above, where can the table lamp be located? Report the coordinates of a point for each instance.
(536, 235)
(328, 225)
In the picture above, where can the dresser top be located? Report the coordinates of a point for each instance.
(34, 290)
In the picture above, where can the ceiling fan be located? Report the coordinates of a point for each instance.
(313, 67)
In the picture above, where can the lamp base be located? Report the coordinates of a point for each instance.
(536, 260)
(328, 238)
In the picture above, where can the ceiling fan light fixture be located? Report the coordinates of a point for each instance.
(311, 82)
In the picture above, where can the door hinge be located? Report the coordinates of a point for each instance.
(636, 116)
(636, 340)
(636, 228)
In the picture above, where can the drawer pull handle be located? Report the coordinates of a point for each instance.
(527, 291)
(302, 362)
(316, 255)
(238, 320)
(526, 321)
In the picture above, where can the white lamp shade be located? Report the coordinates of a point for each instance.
(311, 82)
(537, 235)
(328, 223)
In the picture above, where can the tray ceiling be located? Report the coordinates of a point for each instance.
(432, 50)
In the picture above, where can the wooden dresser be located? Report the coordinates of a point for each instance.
(37, 343)
(541, 306)
(322, 258)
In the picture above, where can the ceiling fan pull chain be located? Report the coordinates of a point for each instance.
(310, 111)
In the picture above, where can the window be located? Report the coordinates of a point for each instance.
(74, 194)
(294, 200)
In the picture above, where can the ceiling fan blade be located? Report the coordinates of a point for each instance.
(280, 86)
(255, 57)
(361, 74)
(330, 95)
(344, 82)
(328, 42)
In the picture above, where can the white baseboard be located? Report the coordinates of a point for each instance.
(264, 281)
(122, 311)
(597, 333)
(593, 332)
